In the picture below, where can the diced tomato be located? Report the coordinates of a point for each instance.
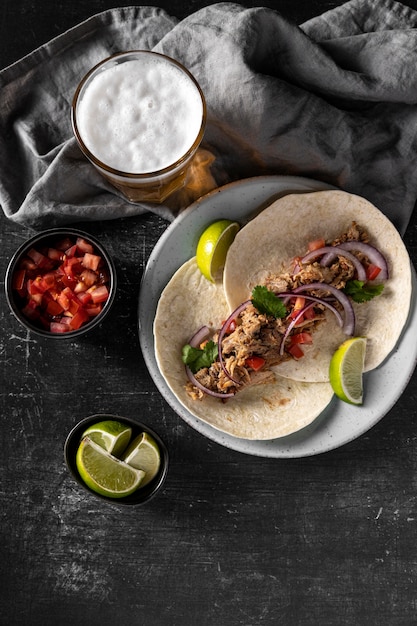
(71, 252)
(88, 277)
(303, 337)
(54, 308)
(58, 327)
(31, 310)
(37, 298)
(99, 294)
(63, 300)
(34, 286)
(309, 313)
(299, 304)
(55, 255)
(295, 351)
(255, 362)
(80, 317)
(63, 286)
(39, 259)
(47, 282)
(18, 281)
(316, 244)
(91, 261)
(94, 309)
(231, 326)
(84, 246)
(74, 306)
(64, 244)
(27, 264)
(372, 271)
(84, 297)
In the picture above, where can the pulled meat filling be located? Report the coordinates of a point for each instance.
(260, 335)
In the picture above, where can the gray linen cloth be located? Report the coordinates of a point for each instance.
(334, 99)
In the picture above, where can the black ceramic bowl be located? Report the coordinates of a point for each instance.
(39, 319)
(142, 494)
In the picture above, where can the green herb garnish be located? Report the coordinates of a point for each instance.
(360, 291)
(197, 358)
(267, 302)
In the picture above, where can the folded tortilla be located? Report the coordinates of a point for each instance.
(264, 411)
(282, 231)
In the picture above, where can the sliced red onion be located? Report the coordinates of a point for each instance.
(290, 294)
(374, 255)
(349, 321)
(222, 333)
(201, 334)
(209, 392)
(195, 341)
(328, 254)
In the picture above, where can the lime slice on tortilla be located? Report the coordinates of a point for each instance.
(143, 453)
(212, 247)
(104, 473)
(346, 370)
(111, 435)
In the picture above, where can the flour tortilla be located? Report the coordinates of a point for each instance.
(260, 412)
(282, 231)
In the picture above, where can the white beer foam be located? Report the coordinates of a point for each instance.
(140, 116)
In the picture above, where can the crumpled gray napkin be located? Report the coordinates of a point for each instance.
(334, 100)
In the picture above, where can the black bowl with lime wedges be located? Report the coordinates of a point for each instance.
(117, 459)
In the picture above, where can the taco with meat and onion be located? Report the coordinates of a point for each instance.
(334, 246)
(189, 309)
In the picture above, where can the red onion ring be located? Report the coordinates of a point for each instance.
(209, 392)
(201, 334)
(287, 295)
(374, 255)
(328, 253)
(349, 321)
(291, 326)
(195, 341)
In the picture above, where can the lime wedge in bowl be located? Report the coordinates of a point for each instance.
(143, 454)
(104, 473)
(111, 435)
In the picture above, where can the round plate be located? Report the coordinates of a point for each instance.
(340, 422)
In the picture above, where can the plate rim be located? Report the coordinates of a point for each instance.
(290, 446)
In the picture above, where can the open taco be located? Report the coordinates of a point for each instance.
(272, 250)
(275, 408)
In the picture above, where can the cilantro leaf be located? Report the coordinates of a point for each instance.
(197, 358)
(267, 302)
(360, 291)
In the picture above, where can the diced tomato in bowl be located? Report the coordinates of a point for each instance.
(61, 283)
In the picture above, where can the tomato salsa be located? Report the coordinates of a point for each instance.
(61, 286)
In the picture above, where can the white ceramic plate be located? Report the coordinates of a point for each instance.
(339, 423)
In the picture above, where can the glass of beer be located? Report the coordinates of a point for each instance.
(139, 117)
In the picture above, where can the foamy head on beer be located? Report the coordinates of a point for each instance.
(141, 115)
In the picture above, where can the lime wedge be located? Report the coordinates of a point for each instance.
(111, 435)
(346, 370)
(143, 454)
(212, 247)
(104, 473)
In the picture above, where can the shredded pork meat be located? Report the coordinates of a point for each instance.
(260, 335)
